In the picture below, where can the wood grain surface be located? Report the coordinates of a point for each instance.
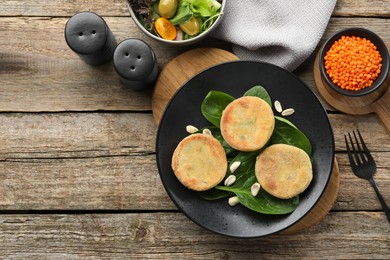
(169, 235)
(118, 8)
(78, 175)
(83, 156)
(322, 207)
(377, 101)
(46, 75)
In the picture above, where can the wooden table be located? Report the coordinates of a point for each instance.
(78, 175)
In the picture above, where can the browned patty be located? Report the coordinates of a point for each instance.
(247, 123)
(283, 171)
(199, 162)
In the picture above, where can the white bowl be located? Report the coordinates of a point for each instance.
(193, 40)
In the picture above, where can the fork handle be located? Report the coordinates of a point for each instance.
(381, 199)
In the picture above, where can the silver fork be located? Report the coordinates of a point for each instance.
(363, 165)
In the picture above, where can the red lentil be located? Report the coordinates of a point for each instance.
(353, 63)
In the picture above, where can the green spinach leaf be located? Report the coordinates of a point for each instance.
(260, 92)
(263, 202)
(214, 104)
(214, 194)
(285, 121)
(247, 165)
(216, 132)
(286, 132)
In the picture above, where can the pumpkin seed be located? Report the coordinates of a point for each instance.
(207, 132)
(234, 166)
(191, 129)
(230, 180)
(255, 188)
(288, 112)
(278, 106)
(233, 201)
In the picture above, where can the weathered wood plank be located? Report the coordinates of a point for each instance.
(39, 72)
(103, 183)
(355, 193)
(79, 161)
(78, 135)
(133, 183)
(118, 8)
(379, 8)
(377, 25)
(372, 130)
(107, 161)
(93, 161)
(63, 8)
(47, 75)
(171, 235)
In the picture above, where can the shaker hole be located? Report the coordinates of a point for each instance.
(132, 68)
(127, 54)
(80, 33)
(93, 32)
(139, 57)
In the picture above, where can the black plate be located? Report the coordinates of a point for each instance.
(235, 78)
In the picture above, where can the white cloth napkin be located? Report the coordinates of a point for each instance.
(281, 32)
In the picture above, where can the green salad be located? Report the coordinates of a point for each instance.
(284, 132)
(176, 19)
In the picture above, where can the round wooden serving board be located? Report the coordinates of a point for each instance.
(377, 101)
(179, 70)
(322, 208)
(185, 66)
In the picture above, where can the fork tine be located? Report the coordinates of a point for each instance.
(356, 157)
(351, 160)
(366, 151)
(359, 149)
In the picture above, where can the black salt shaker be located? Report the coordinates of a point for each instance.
(136, 64)
(88, 35)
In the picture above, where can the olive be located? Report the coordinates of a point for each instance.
(192, 27)
(167, 8)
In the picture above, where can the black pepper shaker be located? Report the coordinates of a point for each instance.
(88, 35)
(136, 64)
